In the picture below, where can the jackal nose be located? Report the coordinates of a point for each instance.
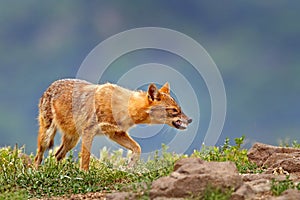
(190, 120)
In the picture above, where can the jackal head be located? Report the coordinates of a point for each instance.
(163, 109)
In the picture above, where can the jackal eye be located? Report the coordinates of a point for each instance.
(173, 111)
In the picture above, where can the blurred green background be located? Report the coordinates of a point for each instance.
(255, 44)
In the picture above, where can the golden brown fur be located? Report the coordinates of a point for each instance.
(81, 109)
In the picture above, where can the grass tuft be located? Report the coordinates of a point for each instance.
(278, 187)
(228, 152)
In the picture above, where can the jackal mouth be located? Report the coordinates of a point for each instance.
(179, 124)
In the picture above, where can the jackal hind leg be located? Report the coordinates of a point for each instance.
(45, 139)
(123, 139)
(69, 141)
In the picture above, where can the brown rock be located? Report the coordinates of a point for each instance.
(289, 162)
(259, 152)
(193, 176)
(243, 193)
(260, 185)
(254, 177)
(187, 161)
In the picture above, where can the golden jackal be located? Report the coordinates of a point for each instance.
(81, 109)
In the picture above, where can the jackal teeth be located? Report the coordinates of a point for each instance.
(179, 124)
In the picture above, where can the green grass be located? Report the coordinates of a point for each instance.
(228, 152)
(278, 187)
(62, 178)
(212, 193)
(287, 143)
(19, 180)
(217, 194)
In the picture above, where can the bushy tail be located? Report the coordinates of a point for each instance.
(45, 139)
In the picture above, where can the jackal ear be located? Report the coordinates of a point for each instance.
(165, 88)
(153, 93)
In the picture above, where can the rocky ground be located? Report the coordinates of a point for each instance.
(192, 176)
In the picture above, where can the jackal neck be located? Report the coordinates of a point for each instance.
(138, 107)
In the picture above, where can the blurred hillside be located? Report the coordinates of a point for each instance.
(255, 45)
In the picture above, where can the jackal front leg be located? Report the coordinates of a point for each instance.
(123, 139)
(86, 145)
